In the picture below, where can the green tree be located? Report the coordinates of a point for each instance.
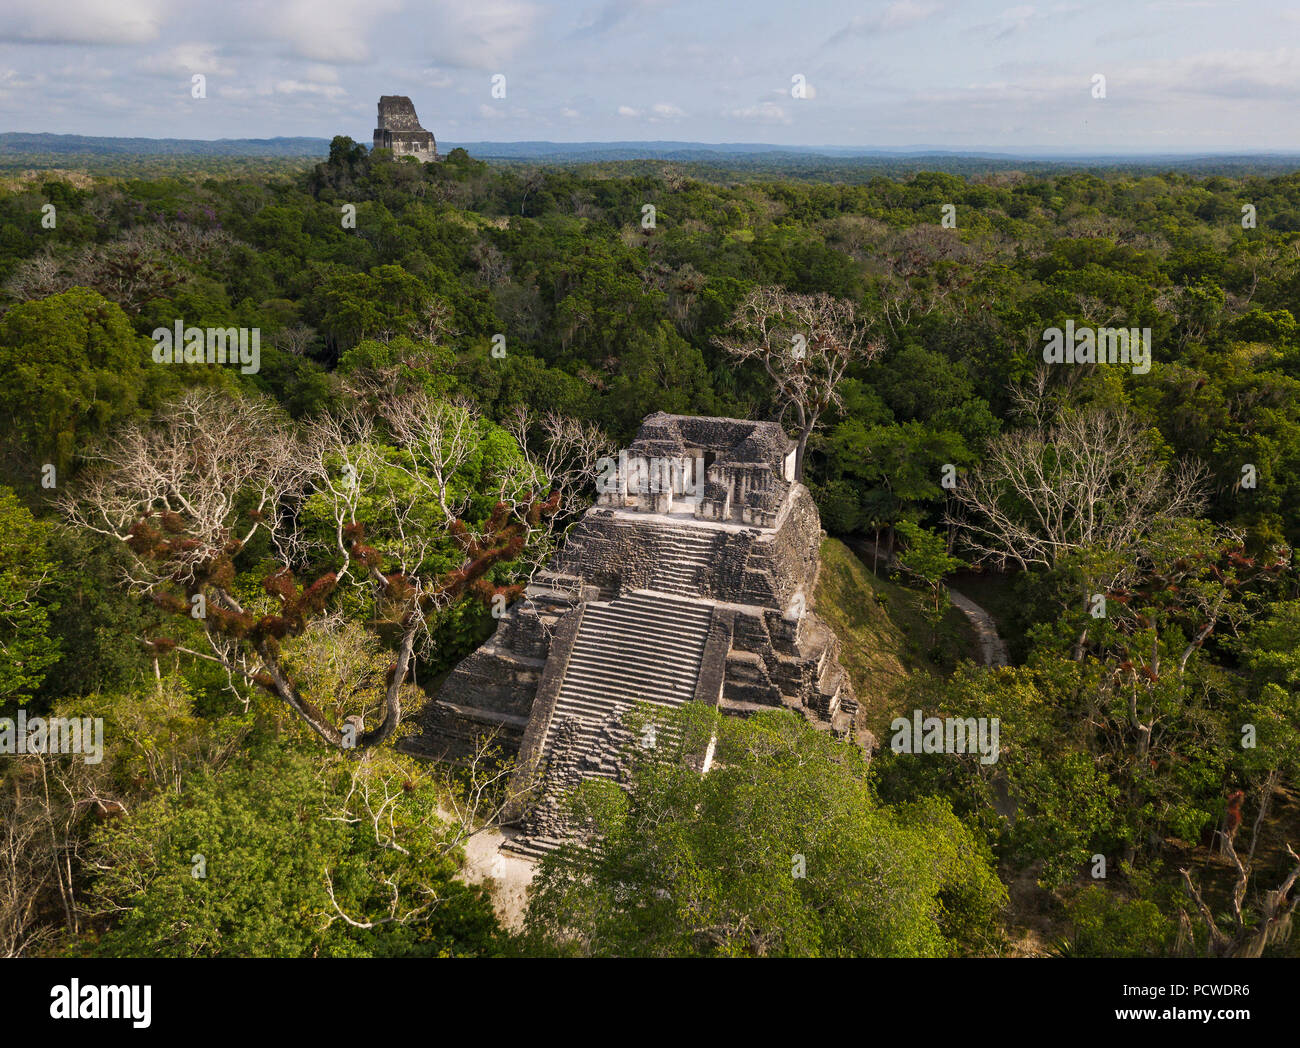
(73, 367)
(779, 850)
(278, 855)
(27, 649)
(926, 559)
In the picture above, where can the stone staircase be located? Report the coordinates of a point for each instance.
(683, 556)
(640, 648)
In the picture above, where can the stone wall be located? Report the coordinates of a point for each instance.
(491, 691)
(398, 129)
(397, 113)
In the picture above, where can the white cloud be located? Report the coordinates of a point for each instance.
(1015, 20)
(81, 21)
(900, 15)
(482, 34)
(300, 87)
(1242, 75)
(334, 31)
(665, 111)
(322, 74)
(185, 59)
(763, 113)
(614, 13)
(436, 78)
(628, 111)
(12, 82)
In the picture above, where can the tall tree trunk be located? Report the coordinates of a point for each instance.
(800, 451)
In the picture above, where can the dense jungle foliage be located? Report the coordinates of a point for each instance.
(1145, 798)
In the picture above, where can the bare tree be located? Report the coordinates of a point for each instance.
(25, 871)
(295, 339)
(435, 322)
(200, 481)
(1078, 479)
(1247, 936)
(533, 181)
(189, 492)
(45, 802)
(563, 450)
(492, 268)
(142, 264)
(39, 276)
(566, 453)
(805, 344)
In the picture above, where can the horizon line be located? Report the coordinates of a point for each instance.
(1017, 152)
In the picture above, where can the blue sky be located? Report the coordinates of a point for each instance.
(1185, 76)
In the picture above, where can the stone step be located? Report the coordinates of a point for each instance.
(592, 702)
(589, 704)
(628, 621)
(635, 682)
(636, 601)
(597, 671)
(626, 624)
(676, 590)
(687, 537)
(637, 605)
(536, 847)
(694, 558)
(630, 650)
(680, 577)
(628, 628)
(642, 647)
(600, 690)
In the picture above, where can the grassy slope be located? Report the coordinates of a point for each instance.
(884, 637)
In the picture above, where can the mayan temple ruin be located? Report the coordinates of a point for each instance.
(399, 130)
(691, 579)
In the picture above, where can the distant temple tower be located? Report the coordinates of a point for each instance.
(399, 130)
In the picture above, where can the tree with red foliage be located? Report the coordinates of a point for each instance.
(188, 493)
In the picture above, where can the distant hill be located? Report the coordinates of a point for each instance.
(745, 160)
(729, 160)
(584, 152)
(22, 142)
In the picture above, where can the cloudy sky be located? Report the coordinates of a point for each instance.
(1180, 75)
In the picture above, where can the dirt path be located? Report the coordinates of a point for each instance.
(507, 876)
(993, 649)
